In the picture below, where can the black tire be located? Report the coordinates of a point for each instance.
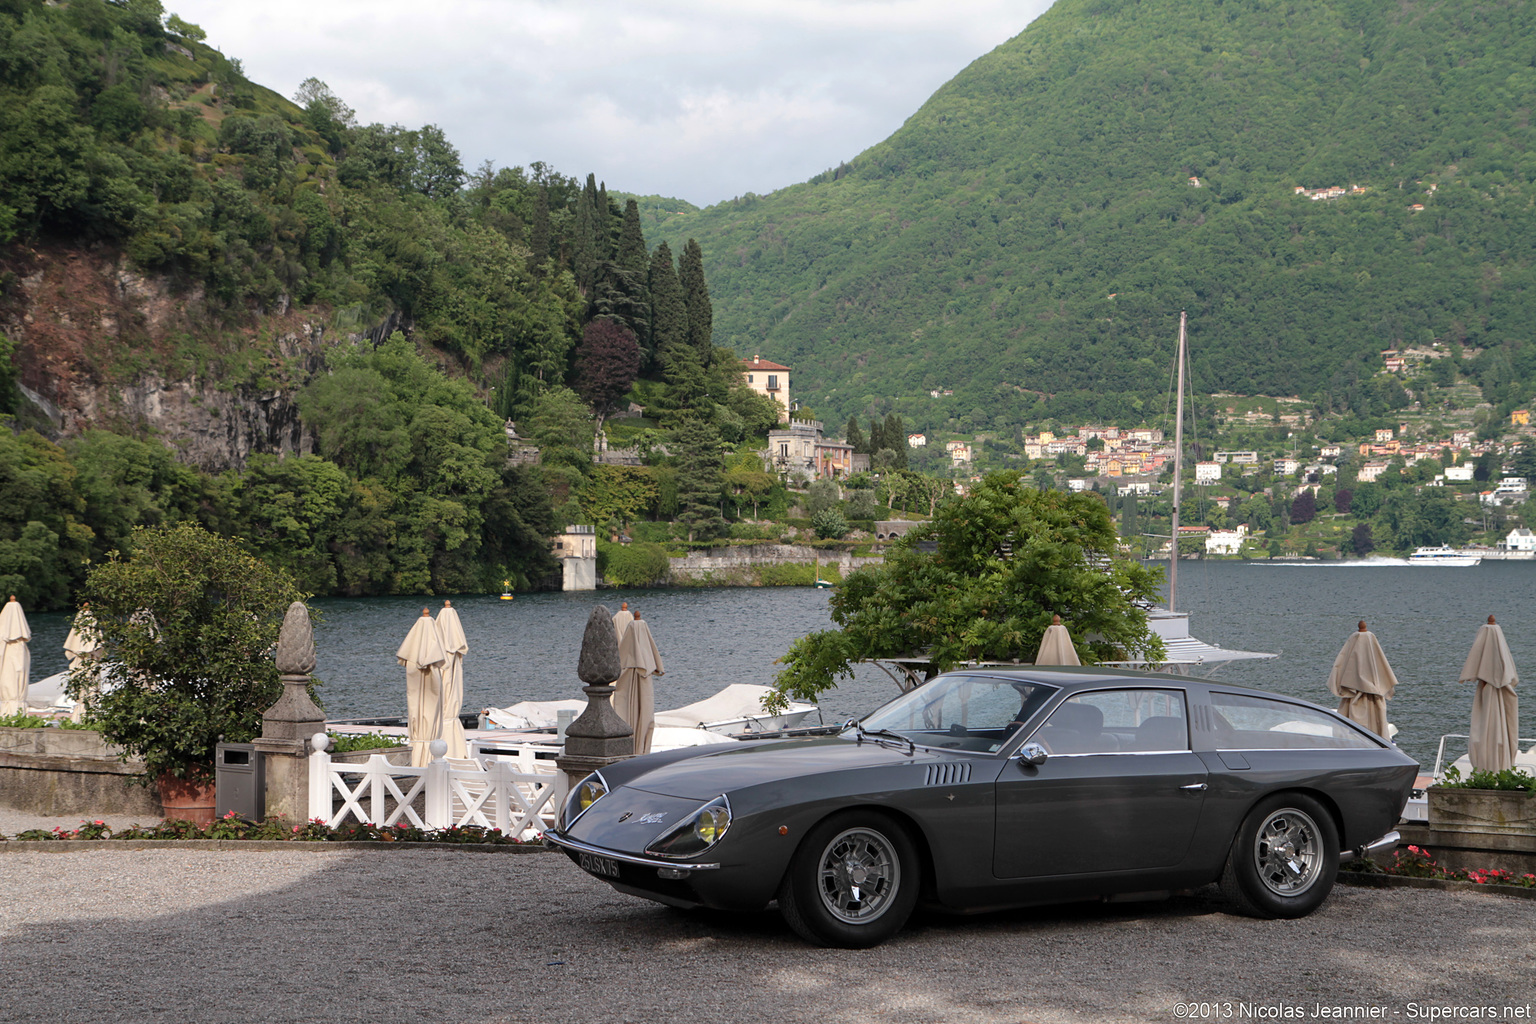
(853, 881)
(1284, 859)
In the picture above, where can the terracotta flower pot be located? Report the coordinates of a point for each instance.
(186, 799)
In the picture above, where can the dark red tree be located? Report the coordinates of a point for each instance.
(607, 363)
(1304, 508)
(1343, 499)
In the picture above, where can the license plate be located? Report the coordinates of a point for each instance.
(606, 867)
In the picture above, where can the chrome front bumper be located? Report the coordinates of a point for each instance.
(577, 846)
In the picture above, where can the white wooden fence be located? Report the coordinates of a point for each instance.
(510, 795)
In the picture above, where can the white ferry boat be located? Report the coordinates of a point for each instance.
(1443, 555)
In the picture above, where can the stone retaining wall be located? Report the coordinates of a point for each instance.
(719, 564)
(59, 772)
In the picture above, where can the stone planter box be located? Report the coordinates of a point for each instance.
(1490, 811)
(394, 755)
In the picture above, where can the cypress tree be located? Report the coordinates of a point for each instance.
(876, 437)
(632, 251)
(584, 250)
(856, 437)
(540, 230)
(894, 437)
(700, 478)
(701, 316)
(669, 313)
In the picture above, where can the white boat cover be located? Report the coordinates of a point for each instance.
(735, 702)
(1186, 650)
(533, 714)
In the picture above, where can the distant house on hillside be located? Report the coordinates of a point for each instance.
(917, 440)
(800, 450)
(771, 380)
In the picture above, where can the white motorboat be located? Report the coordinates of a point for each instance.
(1443, 554)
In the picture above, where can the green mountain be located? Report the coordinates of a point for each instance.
(1029, 236)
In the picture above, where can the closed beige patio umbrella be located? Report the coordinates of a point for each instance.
(15, 658)
(81, 646)
(1495, 707)
(422, 656)
(621, 620)
(1363, 681)
(450, 634)
(634, 698)
(1056, 646)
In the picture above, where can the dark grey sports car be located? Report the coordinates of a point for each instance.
(991, 788)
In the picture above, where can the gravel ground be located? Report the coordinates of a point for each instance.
(305, 935)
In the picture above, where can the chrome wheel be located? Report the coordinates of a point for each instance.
(1288, 852)
(859, 875)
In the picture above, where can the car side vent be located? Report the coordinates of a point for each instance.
(948, 774)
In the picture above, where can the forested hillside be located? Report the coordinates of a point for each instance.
(169, 229)
(1028, 237)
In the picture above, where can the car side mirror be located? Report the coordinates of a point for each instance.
(1033, 753)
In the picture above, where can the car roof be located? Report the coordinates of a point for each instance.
(1074, 677)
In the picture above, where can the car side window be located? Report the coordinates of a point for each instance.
(1246, 722)
(1117, 721)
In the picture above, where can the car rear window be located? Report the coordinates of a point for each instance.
(1246, 722)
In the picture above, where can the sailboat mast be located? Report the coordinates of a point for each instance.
(1178, 472)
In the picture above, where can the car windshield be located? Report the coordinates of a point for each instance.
(961, 711)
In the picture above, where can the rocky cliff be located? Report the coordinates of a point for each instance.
(100, 344)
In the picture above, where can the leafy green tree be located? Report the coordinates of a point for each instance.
(618, 494)
(641, 564)
(1007, 559)
(188, 621)
(829, 524)
(10, 396)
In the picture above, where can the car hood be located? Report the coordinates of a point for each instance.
(726, 769)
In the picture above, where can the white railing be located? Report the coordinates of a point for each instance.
(508, 795)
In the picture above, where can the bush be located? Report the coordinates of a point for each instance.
(821, 495)
(640, 564)
(829, 524)
(188, 624)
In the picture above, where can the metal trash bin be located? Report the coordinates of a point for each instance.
(239, 777)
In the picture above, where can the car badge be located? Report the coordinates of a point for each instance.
(626, 815)
(654, 818)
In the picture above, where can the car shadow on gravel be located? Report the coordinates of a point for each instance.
(767, 925)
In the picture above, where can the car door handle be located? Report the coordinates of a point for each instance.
(1197, 787)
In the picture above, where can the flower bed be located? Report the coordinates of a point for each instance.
(279, 829)
(1416, 862)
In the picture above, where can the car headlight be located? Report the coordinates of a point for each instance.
(591, 789)
(697, 832)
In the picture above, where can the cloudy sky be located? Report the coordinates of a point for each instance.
(700, 99)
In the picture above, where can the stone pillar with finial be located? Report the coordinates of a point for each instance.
(288, 725)
(598, 737)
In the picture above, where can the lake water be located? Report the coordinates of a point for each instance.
(1425, 617)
